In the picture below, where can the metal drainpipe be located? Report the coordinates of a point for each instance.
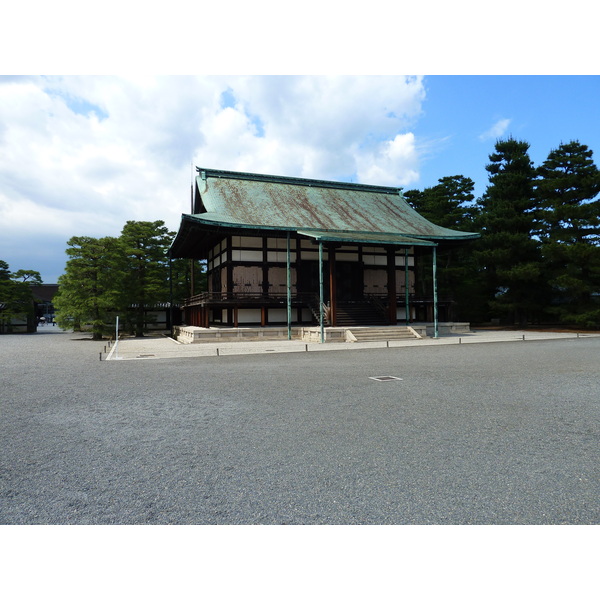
(289, 289)
(435, 306)
(321, 291)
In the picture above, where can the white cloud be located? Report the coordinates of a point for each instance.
(496, 130)
(321, 127)
(392, 163)
(82, 155)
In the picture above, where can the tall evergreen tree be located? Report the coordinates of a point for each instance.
(4, 271)
(16, 298)
(145, 245)
(181, 275)
(507, 252)
(450, 204)
(568, 189)
(88, 292)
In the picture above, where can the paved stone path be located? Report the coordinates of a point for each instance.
(157, 347)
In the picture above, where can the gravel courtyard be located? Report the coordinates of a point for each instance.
(502, 433)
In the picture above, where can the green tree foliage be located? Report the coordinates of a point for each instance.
(126, 276)
(16, 298)
(450, 204)
(145, 245)
(507, 253)
(567, 189)
(4, 271)
(89, 290)
(185, 271)
(27, 275)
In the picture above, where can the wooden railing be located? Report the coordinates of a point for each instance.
(378, 300)
(243, 297)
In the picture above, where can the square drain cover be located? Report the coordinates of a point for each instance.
(386, 378)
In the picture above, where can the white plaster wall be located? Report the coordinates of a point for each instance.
(401, 313)
(246, 241)
(278, 315)
(280, 243)
(400, 261)
(346, 257)
(249, 315)
(273, 256)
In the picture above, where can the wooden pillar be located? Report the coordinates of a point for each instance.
(229, 294)
(288, 286)
(435, 298)
(299, 289)
(265, 267)
(406, 287)
(263, 316)
(391, 285)
(321, 326)
(229, 255)
(332, 288)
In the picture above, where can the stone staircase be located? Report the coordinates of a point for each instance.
(359, 313)
(382, 334)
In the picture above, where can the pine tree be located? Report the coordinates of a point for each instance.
(567, 188)
(507, 252)
(181, 276)
(4, 271)
(88, 292)
(16, 298)
(447, 204)
(450, 204)
(145, 245)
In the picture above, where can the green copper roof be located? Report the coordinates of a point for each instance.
(234, 201)
(366, 238)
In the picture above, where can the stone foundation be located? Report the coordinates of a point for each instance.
(197, 335)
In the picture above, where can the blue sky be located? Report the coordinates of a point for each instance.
(542, 110)
(81, 155)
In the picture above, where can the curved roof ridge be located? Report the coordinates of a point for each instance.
(341, 185)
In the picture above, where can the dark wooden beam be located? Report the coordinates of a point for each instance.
(391, 285)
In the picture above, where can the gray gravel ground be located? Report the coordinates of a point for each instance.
(503, 433)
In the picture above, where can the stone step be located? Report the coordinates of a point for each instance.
(382, 336)
(377, 334)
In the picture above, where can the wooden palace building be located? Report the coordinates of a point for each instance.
(285, 250)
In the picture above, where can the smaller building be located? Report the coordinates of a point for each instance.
(43, 295)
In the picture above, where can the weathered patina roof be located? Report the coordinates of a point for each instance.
(330, 211)
(366, 238)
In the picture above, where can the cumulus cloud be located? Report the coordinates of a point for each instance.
(82, 155)
(496, 130)
(393, 162)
